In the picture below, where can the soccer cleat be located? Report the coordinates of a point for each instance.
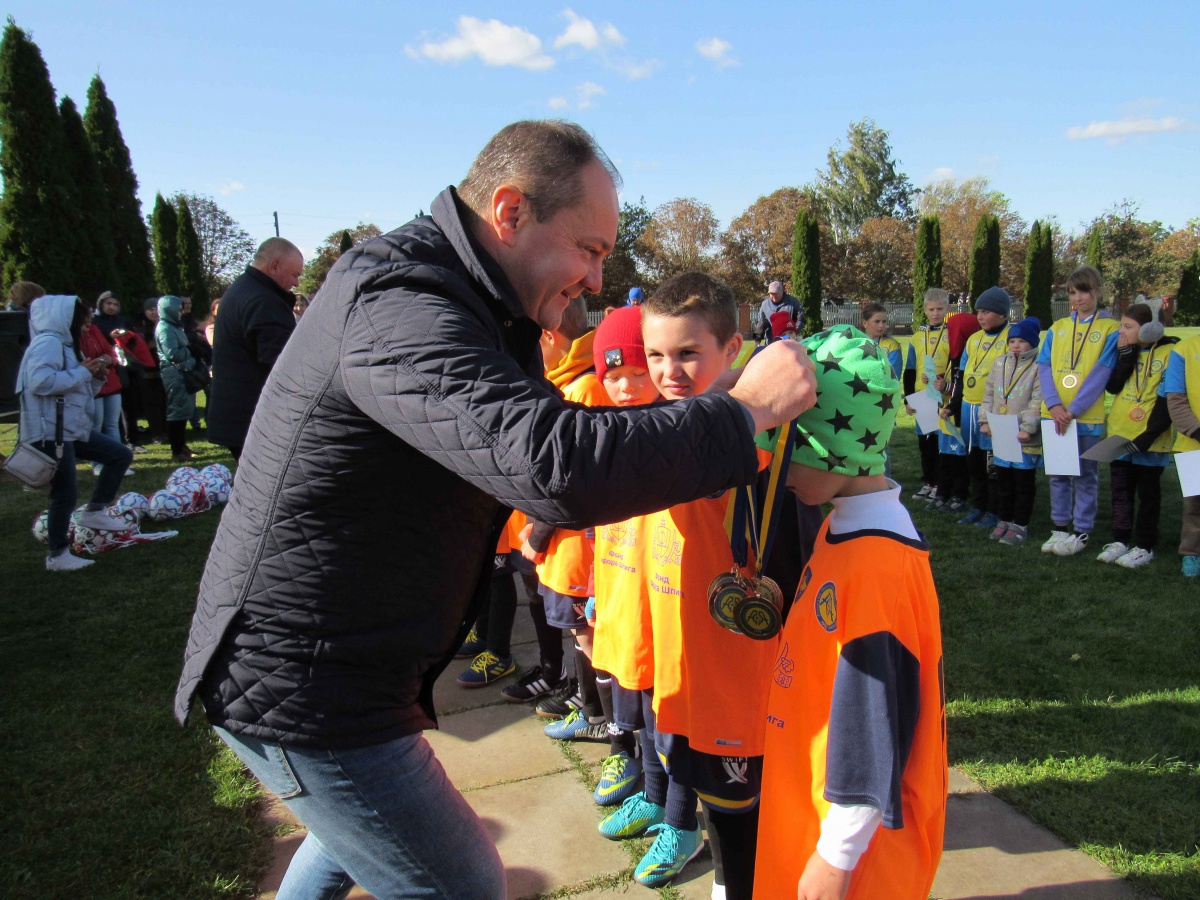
(671, 851)
(1112, 552)
(1057, 536)
(1072, 545)
(619, 776)
(999, 531)
(975, 516)
(577, 727)
(1136, 558)
(472, 646)
(560, 702)
(1016, 534)
(632, 817)
(65, 562)
(924, 493)
(486, 668)
(988, 521)
(532, 685)
(100, 520)
(1191, 566)
(954, 506)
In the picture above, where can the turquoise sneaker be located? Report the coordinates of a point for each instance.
(618, 779)
(1191, 566)
(633, 817)
(486, 668)
(672, 850)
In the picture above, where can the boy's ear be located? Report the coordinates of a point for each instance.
(733, 347)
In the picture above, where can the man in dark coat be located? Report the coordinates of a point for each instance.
(405, 419)
(251, 330)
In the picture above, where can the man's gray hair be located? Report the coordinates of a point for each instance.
(542, 158)
(275, 248)
(574, 319)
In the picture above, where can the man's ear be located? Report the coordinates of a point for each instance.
(510, 210)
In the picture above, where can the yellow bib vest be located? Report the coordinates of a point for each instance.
(982, 350)
(1131, 408)
(1189, 354)
(1074, 352)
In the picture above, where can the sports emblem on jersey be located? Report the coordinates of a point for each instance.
(735, 767)
(1156, 366)
(620, 534)
(1094, 337)
(668, 548)
(784, 667)
(804, 580)
(826, 606)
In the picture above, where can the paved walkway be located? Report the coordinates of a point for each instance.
(531, 793)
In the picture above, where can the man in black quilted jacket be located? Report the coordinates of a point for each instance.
(404, 420)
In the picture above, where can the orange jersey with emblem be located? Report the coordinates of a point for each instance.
(568, 563)
(857, 716)
(710, 685)
(623, 645)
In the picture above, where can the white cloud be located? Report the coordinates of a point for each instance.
(560, 103)
(716, 51)
(581, 32)
(584, 95)
(495, 43)
(943, 173)
(226, 189)
(1116, 131)
(634, 70)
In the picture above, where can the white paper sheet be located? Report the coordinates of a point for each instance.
(926, 410)
(1188, 465)
(1004, 430)
(1061, 452)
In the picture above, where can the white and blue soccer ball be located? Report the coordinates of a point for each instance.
(132, 502)
(216, 488)
(41, 527)
(181, 474)
(167, 505)
(221, 470)
(89, 540)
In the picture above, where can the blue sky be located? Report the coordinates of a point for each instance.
(332, 113)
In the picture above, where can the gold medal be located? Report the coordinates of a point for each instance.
(971, 381)
(1069, 381)
(1003, 410)
(1137, 414)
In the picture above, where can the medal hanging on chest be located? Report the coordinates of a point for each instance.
(971, 381)
(1006, 386)
(1141, 378)
(1078, 342)
(983, 355)
(752, 605)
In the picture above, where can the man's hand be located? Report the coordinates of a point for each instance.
(821, 881)
(1062, 418)
(777, 385)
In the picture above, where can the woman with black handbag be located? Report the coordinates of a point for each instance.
(182, 374)
(57, 388)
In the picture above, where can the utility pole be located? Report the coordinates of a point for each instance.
(276, 224)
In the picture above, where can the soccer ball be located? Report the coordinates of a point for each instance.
(221, 470)
(89, 540)
(166, 505)
(181, 474)
(216, 488)
(131, 503)
(41, 527)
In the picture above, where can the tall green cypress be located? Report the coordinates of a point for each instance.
(1187, 299)
(191, 265)
(94, 270)
(927, 264)
(993, 249)
(1094, 254)
(806, 269)
(37, 210)
(131, 244)
(346, 243)
(1039, 276)
(164, 224)
(978, 272)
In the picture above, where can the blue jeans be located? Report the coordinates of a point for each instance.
(106, 416)
(385, 817)
(114, 458)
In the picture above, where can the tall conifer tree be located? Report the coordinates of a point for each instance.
(37, 208)
(131, 244)
(191, 265)
(346, 243)
(164, 223)
(1039, 277)
(993, 249)
(94, 270)
(927, 264)
(806, 269)
(1093, 255)
(977, 274)
(1187, 301)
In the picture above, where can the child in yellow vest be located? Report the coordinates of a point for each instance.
(1077, 357)
(875, 326)
(1180, 388)
(931, 360)
(1142, 356)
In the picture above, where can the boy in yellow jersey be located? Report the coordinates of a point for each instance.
(983, 348)
(875, 324)
(1180, 388)
(856, 714)
(932, 362)
(709, 692)
(1076, 360)
(1143, 351)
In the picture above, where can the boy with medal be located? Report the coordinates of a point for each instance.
(1142, 356)
(856, 714)
(932, 353)
(1076, 359)
(983, 348)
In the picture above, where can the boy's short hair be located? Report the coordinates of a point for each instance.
(871, 309)
(697, 294)
(1085, 278)
(574, 320)
(23, 293)
(936, 295)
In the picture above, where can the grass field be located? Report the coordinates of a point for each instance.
(1074, 693)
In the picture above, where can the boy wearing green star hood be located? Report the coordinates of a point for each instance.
(856, 714)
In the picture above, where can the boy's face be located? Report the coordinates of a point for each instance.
(1018, 345)
(989, 320)
(935, 313)
(629, 386)
(685, 356)
(875, 326)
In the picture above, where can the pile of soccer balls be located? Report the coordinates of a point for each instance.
(187, 492)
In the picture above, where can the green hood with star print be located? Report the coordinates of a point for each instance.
(857, 399)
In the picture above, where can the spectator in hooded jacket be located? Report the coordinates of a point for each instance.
(53, 371)
(174, 359)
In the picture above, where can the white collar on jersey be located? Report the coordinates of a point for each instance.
(878, 511)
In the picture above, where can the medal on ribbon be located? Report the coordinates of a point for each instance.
(971, 382)
(1070, 380)
(1003, 410)
(1137, 414)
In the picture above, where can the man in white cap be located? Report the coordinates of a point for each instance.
(777, 300)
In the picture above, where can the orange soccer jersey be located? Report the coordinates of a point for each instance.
(622, 645)
(857, 716)
(710, 685)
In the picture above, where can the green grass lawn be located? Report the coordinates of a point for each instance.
(1074, 693)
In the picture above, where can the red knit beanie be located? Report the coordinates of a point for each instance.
(618, 341)
(781, 322)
